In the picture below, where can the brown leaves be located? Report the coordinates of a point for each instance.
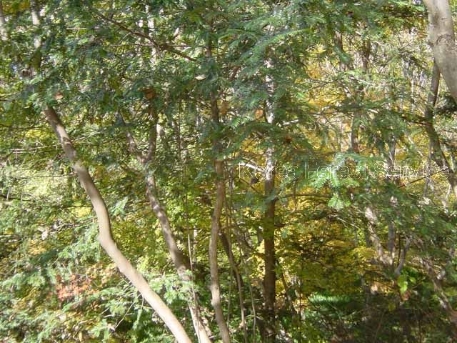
(75, 286)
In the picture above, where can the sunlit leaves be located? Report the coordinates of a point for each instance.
(347, 83)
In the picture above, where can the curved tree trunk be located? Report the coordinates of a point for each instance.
(105, 237)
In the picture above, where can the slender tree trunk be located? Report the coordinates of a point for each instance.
(180, 261)
(216, 216)
(437, 153)
(105, 237)
(3, 32)
(439, 291)
(213, 263)
(438, 156)
(269, 280)
(238, 279)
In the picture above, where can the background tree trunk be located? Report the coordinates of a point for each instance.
(180, 261)
(217, 213)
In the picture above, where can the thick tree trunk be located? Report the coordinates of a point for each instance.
(105, 237)
(442, 40)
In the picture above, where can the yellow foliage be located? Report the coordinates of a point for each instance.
(336, 243)
(36, 133)
(363, 254)
(80, 211)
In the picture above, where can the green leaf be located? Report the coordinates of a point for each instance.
(337, 202)
(402, 282)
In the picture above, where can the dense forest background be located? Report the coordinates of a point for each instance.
(227, 171)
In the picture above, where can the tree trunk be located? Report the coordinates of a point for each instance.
(442, 40)
(269, 279)
(216, 217)
(238, 279)
(436, 151)
(213, 263)
(3, 32)
(105, 237)
(180, 261)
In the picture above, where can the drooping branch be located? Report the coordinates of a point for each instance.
(105, 237)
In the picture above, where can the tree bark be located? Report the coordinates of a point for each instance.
(105, 236)
(180, 261)
(3, 32)
(269, 279)
(436, 151)
(238, 279)
(213, 263)
(217, 214)
(442, 40)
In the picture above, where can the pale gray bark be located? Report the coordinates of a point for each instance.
(180, 261)
(269, 279)
(442, 40)
(3, 32)
(105, 236)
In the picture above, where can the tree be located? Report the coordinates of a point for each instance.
(277, 171)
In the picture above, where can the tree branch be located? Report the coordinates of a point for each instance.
(157, 45)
